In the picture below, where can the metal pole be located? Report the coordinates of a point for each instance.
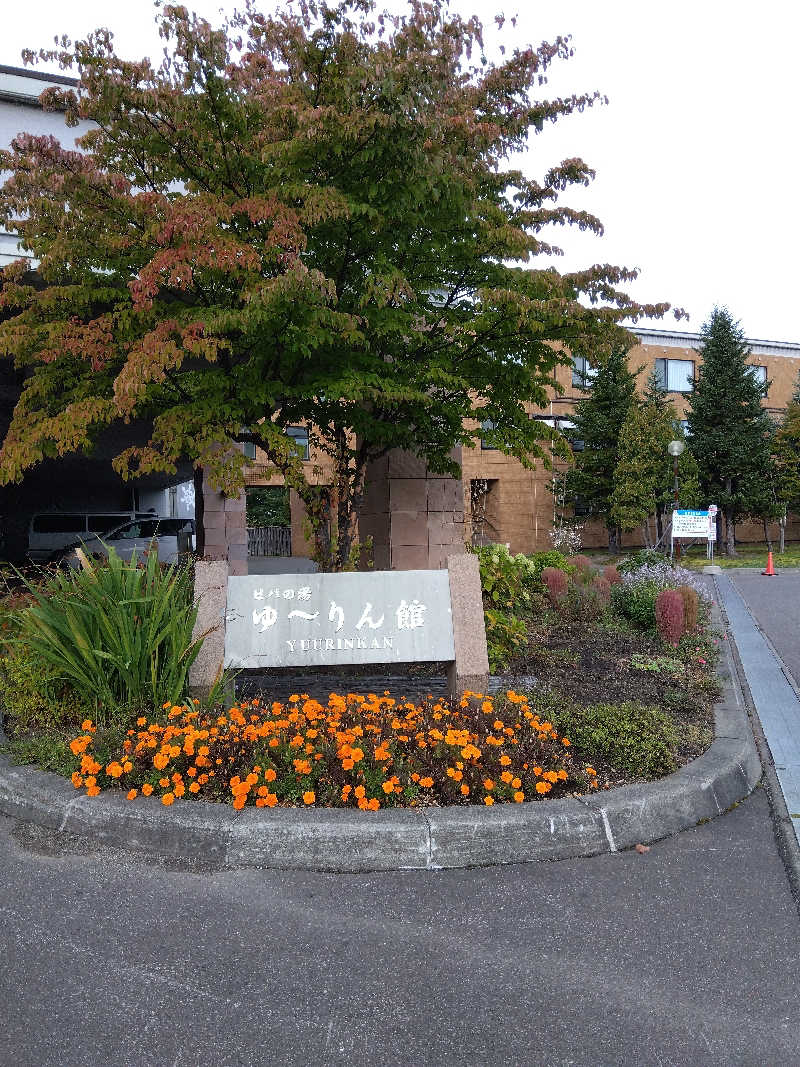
(675, 487)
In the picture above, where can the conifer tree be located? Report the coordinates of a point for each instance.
(598, 423)
(643, 476)
(730, 431)
(786, 459)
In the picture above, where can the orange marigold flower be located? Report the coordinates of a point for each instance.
(388, 787)
(347, 764)
(168, 799)
(591, 770)
(179, 789)
(77, 780)
(465, 789)
(565, 741)
(160, 760)
(506, 777)
(488, 801)
(505, 760)
(374, 804)
(426, 783)
(346, 791)
(270, 775)
(543, 787)
(132, 794)
(239, 802)
(194, 787)
(147, 789)
(127, 766)
(164, 783)
(309, 797)
(519, 796)
(271, 799)
(93, 791)
(114, 769)
(488, 784)
(360, 792)
(141, 721)
(562, 775)
(79, 745)
(516, 783)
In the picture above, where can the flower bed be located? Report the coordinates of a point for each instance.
(355, 751)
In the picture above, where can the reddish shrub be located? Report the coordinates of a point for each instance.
(555, 582)
(669, 615)
(602, 588)
(691, 604)
(611, 574)
(582, 563)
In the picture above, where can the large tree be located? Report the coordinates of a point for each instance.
(731, 433)
(302, 217)
(643, 475)
(599, 418)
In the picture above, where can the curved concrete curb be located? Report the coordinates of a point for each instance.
(213, 836)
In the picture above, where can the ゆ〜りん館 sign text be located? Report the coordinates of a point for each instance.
(323, 619)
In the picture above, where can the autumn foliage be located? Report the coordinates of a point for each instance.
(305, 217)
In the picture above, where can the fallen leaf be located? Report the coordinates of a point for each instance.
(641, 849)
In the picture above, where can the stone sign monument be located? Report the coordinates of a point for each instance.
(307, 620)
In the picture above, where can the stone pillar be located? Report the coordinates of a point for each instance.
(415, 517)
(225, 523)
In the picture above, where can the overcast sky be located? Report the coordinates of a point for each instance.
(696, 153)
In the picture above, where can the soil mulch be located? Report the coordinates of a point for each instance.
(587, 664)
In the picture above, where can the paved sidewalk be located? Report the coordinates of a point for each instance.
(774, 695)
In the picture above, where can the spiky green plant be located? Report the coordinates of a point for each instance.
(119, 633)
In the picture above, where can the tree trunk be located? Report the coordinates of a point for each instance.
(199, 512)
(767, 538)
(614, 540)
(730, 534)
(659, 525)
(782, 526)
(646, 534)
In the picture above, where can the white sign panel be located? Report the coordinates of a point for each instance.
(693, 524)
(290, 620)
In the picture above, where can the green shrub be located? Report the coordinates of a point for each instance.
(119, 634)
(637, 602)
(506, 635)
(636, 740)
(554, 559)
(32, 693)
(507, 581)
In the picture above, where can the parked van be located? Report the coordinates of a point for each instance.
(51, 530)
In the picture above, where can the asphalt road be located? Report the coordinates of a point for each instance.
(775, 603)
(687, 954)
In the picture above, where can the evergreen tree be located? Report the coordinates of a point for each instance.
(644, 474)
(598, 423)
(786, 460)
(730, 431)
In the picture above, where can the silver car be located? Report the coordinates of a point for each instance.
(139, 536)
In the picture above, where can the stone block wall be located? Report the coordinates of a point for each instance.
(414, 516)
(225, 522)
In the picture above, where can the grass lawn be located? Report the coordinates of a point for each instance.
(751, 555)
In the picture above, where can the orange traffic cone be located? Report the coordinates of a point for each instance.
(770, 571)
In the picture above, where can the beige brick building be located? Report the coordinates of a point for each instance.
(518, 507)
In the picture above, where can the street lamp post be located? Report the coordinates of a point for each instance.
(675, 449)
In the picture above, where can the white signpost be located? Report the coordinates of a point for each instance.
(691, 524)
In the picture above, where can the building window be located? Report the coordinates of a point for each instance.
(564, 426)
(583, 373)
(684, 425)
(486, 446)
(249, 450)
(759, 374)
(299, 434)
(675, 375)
